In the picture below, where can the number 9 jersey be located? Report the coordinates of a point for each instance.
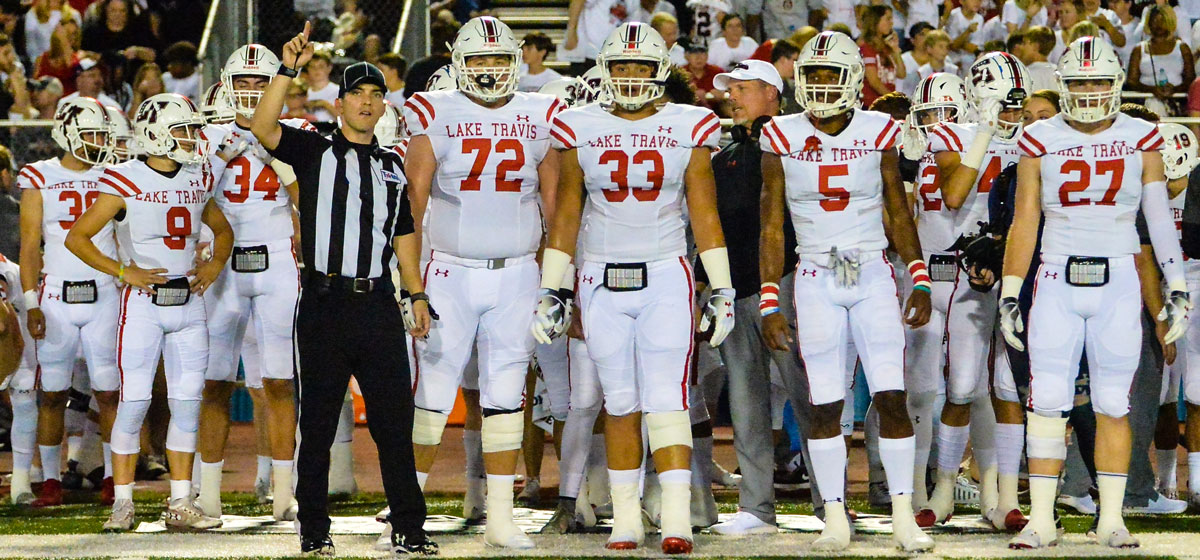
(634, 172)
(484, 198)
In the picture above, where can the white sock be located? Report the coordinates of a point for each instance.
(1043, 489)
(421, 478)
(676, 503)
(210, 486)
(180, 489)
(20, 482)
(473, 447)
(500, 499)
(1164, 462)
(107, 459)
(197, 475)
(74, 447)
(829, 467)
(1112, 498)
(952, 443)
(1194, 472)
(22, 461)
(51, 461)
(898, 456)
(264, 471)
(627, 510)
(281, 486)
(1010, 442)
(123, 492)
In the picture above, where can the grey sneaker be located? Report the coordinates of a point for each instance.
(184, 515)
(877, 494)
(262, 491)
(24, 499)
(121, 519)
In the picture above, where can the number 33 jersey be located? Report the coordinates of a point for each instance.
(484, 200)
(1091, 184)
(161, 221)
(634, 174)
(66, 194)
(834, 187)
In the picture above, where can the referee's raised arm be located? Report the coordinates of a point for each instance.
(296, 53)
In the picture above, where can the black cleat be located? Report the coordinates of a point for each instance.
(320, 545)
(413, 543)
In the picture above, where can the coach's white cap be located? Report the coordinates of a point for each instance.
(750, 70)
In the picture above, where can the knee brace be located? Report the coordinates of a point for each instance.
(127, 428)
(24, 424)
(503, 431)
(185, 422)
(428, 426)
(1046, 437)
(668, 428)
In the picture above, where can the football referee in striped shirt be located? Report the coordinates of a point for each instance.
(354, 222)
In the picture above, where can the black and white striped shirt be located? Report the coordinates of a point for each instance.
(352, 202)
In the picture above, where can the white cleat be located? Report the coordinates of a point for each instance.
(384, 542)
(121, 519)
(1032, 537)
(509, 536)
(287, 514)
(905, 532)
(1118, 538)
(382, 517)
(835, 536)
(183, 514)
(744, 524)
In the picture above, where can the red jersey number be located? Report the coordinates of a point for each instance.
(928, 187)
(513, 153)
(835, 199)
(79, 203)
(179, 226)
(1114, 168)
(649, 159)
(267, 181)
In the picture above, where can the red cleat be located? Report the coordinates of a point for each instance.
(621, 545)
(925, 518)
(51, 494)
(107, 494)
(1015, 520)
(676, 545)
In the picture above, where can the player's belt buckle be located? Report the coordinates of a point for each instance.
(250, 259)
(627, 277)
(1087, 271)
(172, 294)
(942, 268)
(79, 292)
(496, 264)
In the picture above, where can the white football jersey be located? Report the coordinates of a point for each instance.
(935, 223)
(834, 187)
(633, 172)
(951, 137)
(1191, 267)
(1091, 184)
(249, 193)
(162, 214)
(66, 195)
(484, 201)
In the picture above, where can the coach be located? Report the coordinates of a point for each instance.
(354, 218)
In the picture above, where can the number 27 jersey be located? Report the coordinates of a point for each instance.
(634, 175)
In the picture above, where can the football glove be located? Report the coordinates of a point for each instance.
(718, 313)
(1011, 323)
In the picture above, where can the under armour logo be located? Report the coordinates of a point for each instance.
(1051, 275)
(808, 272)
(664, 129)
(522, 118)
(860, 142)
(53, 296)
(442, 273)
(586, 279)
(194, 183)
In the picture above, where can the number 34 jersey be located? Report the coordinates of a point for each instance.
(66, 194)
(162, 213)
(634, 176)
(1091, 184)
(834, 187)
(484, 200)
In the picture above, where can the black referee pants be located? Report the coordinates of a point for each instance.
(339, 334)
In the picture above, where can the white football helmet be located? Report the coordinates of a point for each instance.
(1179, 150)
(940, 97)
(82, 128)
(593, 89)
(121, 138)
(1088, 59)
(829, 49)
(443, 79)
(634, 42)
(215, 105)
(248, 60)
(157, 120)
(568, 90)
(389, 130)
(486, 35)
(999, 82)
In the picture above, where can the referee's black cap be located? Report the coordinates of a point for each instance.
(361, 73)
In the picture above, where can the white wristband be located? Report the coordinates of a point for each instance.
(31, 300)
(1177, 286)
(554, 267)
(1011, 287)
(716, 265)
(286, 175)
(568, 281)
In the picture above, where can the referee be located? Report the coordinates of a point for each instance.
(354, 218)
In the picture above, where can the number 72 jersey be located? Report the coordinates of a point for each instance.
(634, 176)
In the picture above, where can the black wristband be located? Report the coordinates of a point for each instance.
(419, 296)
(288, 72)
(404, 294)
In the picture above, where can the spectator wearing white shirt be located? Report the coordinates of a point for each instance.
(915, 58)
(40, 22)
(1106, 20)
(181, 76)
(845, 12)
(89, 82)
(588, 24)
(643, 10)
(1130, 26)
(779, 18)
(1032, 46)
(668, 27)
(1069, 12)
(321, 91)
(1183, 32)
(394, 67)
(1021, 14)
(965, 29)
(937, 44)
(733, 46)
(534, 74)
(1162, 65)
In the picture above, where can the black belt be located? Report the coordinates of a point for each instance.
(338, 283)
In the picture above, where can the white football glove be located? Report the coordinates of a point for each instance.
(989, 115)
(1175, 313)
(548, 319)
(1011, 323)
(913, 143)
(232, 146)
(406, 311)
(568, 297)
(718, 312)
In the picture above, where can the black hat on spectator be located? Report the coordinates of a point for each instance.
(692, 47)
(361, 73)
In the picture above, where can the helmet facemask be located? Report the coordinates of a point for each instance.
(188, 144)
(491, 82)
(1091, 106)
(91, 145)
(821, 99)
(631, 92)
(244, 101)
(927, 116)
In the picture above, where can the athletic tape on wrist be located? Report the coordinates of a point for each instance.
(428, 426)
(502, 432)
(31, 300)
(920, 275)
(768, 299)
(668, 428)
